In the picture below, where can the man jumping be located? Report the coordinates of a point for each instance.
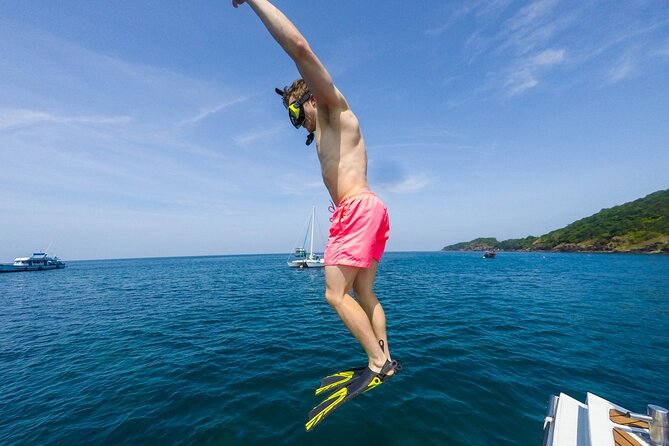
(360, 226)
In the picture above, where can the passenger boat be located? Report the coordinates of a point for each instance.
(36, 262)
(598, 422)
(490, 254)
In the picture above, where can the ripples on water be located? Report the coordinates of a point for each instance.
(228, 350)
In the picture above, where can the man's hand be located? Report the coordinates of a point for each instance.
(236, 3)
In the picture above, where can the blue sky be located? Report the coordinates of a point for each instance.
(151, 128)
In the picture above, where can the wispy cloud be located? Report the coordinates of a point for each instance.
(396, 176)
(255, 136)
(408, 185)
(482, 10)
(632, 51)
(88, 129)
(625, 36)
(548, 58)
(530, 16)
(526, 72)
(528, 30)
(452, 19)
(295, 185)
(520, 49)
(662, 52)
(205, 112)
(520, 80)
(11, 118)
(410, 145)
(624, 68)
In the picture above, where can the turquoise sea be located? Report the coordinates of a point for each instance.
(228, 350)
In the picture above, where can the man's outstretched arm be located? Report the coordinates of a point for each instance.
(296, 46)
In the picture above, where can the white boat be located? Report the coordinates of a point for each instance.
(598, 422)
(302, 258)
(37, 262)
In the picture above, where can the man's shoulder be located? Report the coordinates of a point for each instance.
(339, 106)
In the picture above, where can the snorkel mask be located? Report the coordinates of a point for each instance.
(296, 112)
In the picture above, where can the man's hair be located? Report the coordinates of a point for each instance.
(294, 92)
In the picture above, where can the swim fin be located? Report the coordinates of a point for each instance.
(339, 379)
(365, 381)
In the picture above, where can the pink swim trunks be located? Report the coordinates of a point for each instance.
(358, 232)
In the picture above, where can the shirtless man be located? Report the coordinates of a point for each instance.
(360, 225)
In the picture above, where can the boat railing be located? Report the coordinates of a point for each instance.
(658, 424)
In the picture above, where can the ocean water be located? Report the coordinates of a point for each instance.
(228, 350)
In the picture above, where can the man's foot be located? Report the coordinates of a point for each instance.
(338, 380)
(379, 367)
(389, 368)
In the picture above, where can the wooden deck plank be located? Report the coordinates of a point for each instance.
(622, 438)
(619, 417)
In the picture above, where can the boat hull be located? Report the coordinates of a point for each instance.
(306, 263)
(17, 269)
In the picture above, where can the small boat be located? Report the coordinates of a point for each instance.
(490, 254)
(302, 258)
(599, 422)
(37, 262)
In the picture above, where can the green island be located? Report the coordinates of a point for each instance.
(640, 226)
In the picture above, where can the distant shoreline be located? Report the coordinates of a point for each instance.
(638, 227)
(196, 256)
(557, 251)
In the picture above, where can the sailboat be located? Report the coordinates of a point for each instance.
(302, 258)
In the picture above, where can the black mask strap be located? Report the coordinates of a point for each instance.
(310, 136)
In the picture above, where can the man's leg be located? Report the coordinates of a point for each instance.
(363, 285)
(338, 282)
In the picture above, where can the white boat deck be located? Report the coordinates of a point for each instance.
(571, 423)
(597, 422)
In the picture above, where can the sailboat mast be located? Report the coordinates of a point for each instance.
(311, 245)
